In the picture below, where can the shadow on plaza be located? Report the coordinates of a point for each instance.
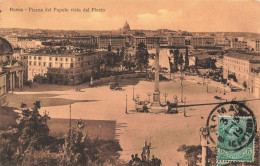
(123, 82)
(47, 100)
(119, 126)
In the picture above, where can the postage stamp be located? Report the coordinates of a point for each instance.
(233, 109)
(235, 139)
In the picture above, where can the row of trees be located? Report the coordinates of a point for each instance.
(29, 143)
(141, 58)
(180, 63)
(118, 59)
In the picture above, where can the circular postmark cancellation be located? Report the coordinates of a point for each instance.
(232, 126)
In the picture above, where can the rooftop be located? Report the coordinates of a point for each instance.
(61, 52)
(244, 56)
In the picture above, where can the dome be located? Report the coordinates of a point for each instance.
(126, 27)
(5, 46)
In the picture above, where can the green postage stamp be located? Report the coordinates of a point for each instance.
(235, 139)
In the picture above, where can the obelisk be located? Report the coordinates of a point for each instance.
(156, 94)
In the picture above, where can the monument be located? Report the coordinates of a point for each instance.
(156, 94)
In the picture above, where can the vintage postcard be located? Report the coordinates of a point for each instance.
(129, 82)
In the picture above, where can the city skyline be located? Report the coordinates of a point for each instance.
(194, 16)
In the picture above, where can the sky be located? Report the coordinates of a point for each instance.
(189, 15)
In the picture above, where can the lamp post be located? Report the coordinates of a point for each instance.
(133, 92)
(165, 95)
(207, 86)
(138, 96)
(126, 103)
(149, 94)
(181, 78)
(184, 111)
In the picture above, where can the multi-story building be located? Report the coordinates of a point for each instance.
(152, 42)
(241, 67)
(116, 42)
(61, 67)
(164, 41)
(24, 42)
(237, 65)
(13, 40)
(86, 40)
(223, 42)
(177, 41)
(202, 41)
(139, 39)
(239, 43)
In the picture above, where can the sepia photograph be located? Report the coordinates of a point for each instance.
(129, 82)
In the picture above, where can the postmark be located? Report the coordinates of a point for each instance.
(234, 138)
(231, 109)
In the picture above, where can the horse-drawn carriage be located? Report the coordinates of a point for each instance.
(172, 108)
(141, 106)
(114, 86)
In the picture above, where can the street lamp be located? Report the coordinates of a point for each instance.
(138, 96)
(165, 95)
(126, 103)
(184, 112)
(207, 86)
(181, 78)
(133, 92)
(149, 94)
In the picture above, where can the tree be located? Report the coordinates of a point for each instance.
(109, 47)
(110, 59)
(81, 150)
(73, 151)
(32, 133)
(181, 61)
(192, 153)
(29, 143)
(142, 56)
(186, 58)
(176, 59)
(122, 53)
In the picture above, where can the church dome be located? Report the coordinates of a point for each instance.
(126, 27)
(5, 46)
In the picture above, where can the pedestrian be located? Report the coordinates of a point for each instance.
(145, 108)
